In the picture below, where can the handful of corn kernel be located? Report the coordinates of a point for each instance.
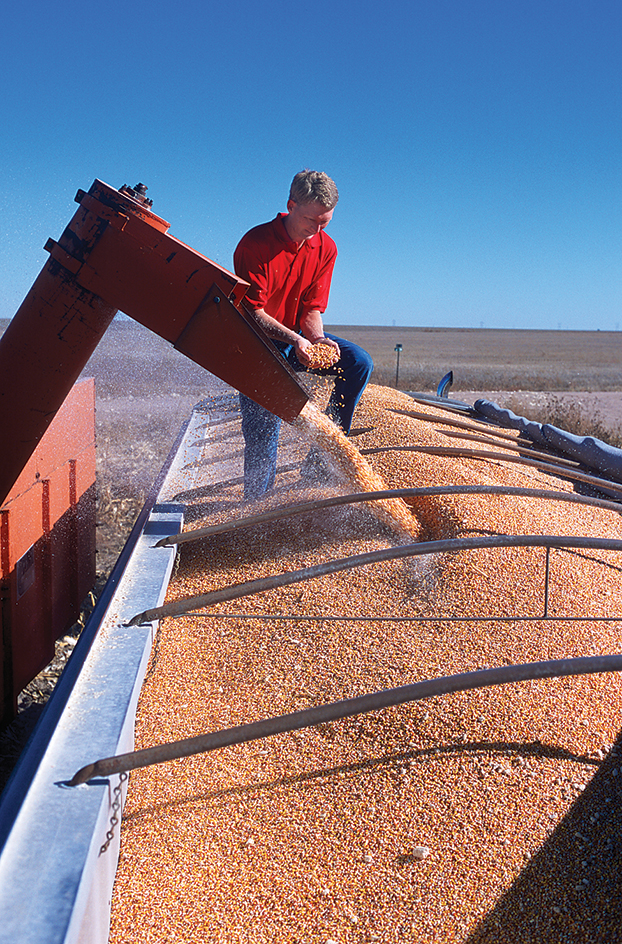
(322, 355)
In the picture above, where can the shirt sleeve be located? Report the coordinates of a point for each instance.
(315, 296)
(248, 266)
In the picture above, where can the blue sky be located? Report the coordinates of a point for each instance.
(476, 144)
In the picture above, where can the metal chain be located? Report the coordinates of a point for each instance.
(116, 806)
(155, 653)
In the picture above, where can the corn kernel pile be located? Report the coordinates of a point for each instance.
(322, 355)
(349, 466)
(484, 816)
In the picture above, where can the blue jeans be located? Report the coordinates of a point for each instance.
(261, 429)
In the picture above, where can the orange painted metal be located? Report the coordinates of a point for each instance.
(47, 544)
(116, 254)
(42, 353)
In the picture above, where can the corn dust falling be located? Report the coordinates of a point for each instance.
(351, 466)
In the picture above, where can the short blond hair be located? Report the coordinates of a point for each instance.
(314, 186)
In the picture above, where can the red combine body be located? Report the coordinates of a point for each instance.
(115, 254)
(47, 544)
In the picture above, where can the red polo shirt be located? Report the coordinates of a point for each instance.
(285, 281)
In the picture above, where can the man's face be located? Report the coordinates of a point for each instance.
(306, 219)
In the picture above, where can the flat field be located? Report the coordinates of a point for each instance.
(491, 359)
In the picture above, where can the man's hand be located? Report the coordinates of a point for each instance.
(312, 327)
(302, 348)
(324, 354)
(303, 344)
(308, 354)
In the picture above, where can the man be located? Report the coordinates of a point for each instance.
(289, 264)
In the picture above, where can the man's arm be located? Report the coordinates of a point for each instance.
(310, 324)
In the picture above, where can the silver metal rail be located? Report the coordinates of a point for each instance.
(553, 466)
(423, 549)
(286, 511)
(503, 675)
(55, 888)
